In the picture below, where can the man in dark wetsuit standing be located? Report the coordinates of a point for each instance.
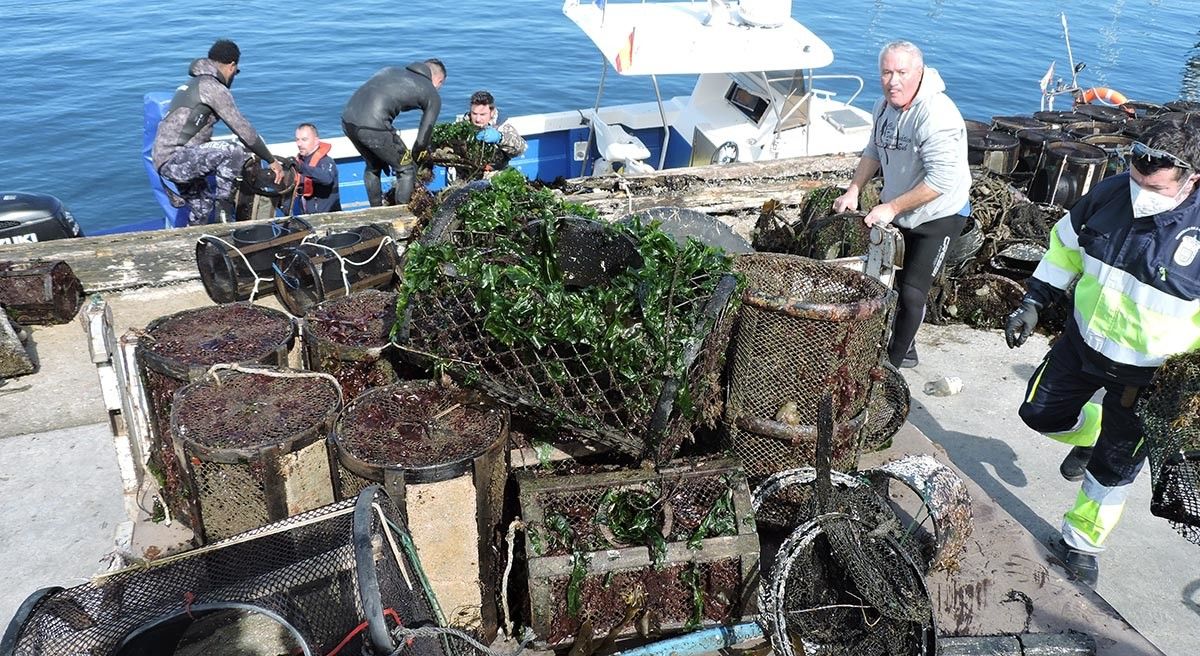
(184, 152)
(367, 122)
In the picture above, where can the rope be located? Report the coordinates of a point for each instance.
(262, 371)
(257, 280)
(343, 260)
(404, 634)
(515, 526)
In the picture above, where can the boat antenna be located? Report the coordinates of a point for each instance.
(1070, 56)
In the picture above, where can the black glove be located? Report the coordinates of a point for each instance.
(1021, 322)
(288, 162)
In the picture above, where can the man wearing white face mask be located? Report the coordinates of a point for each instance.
(1131, 247)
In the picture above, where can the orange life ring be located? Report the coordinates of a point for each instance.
(1104, 95)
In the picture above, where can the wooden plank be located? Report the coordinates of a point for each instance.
(162, 257)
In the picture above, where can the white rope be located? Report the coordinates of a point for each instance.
(343, 260)
(515, 526)
(235, 249)
(263, 371)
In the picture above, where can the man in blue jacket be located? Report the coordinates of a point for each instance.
(1131, 248)
(367, 122)
(317, 173)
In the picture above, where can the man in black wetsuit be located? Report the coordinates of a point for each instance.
(184, 152)
(367, 122)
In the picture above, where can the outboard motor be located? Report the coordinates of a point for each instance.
(26, 218)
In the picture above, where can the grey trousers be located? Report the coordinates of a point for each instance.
(189, 167)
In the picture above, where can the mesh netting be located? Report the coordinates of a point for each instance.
(348, 339)
(644, 408)
(806, 328)
(416, 426)
(887, 409)
(1170, 414)
(672, 550)
(253, 442)
(181, 347)
(40, 292)
(840, 587)
(317, 576)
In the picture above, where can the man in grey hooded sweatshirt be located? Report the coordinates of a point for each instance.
(920, 142)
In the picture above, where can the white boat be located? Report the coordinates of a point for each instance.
(758, 96)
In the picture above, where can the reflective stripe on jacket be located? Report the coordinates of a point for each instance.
(1137, 300)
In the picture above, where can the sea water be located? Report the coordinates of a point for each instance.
(74, 73)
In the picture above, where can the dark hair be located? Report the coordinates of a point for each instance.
(436, 64)
(310, 126)
(483, 98)
(224, 51)
(1180, 137)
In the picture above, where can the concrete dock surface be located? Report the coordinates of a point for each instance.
(62, 491)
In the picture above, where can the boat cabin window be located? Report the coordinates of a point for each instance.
(746, 102)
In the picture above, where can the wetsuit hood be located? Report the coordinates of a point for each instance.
(206, 66)
(420, 68)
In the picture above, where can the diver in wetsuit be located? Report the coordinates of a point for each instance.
(367, 122)
(184, 152)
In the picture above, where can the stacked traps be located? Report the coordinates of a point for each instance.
(236, 265)
(180, 348)
(345, 576)
(1170, 413)
(333, 266)
(806, 328)
(422, 443)
(347, 338)
(252, 445)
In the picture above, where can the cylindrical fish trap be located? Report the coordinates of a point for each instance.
(1015, 124)
(1170, 414)
(1056, 119)
(1070, 170)
(334, 266)
(994, 150)
(807, 329)
(1084, 129)
(253, 443)
(1103, 113)
(982, 300)
(432, 448)
(1136, 127)
(40, 292)
(1136, 109)
(236, 265)
(976, 126)
(347, 338)
(180, 348)
(1032, 152)
(1118, 148)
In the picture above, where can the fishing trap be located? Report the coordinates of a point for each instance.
(236, 265)
(347, 337)
(180, 348)
(637, 551)
(252, 445)
(1170, 414)
(336, 265)
(40, 292)
(300, 586)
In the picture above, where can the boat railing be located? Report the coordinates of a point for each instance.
(826, 94)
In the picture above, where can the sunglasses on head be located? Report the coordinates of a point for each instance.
(1147, 160)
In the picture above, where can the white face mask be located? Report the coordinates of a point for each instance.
(1149, 203)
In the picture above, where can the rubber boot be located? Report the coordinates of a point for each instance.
(225, 211)
(406, 179)
(1076, 462)
(1083, 567)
